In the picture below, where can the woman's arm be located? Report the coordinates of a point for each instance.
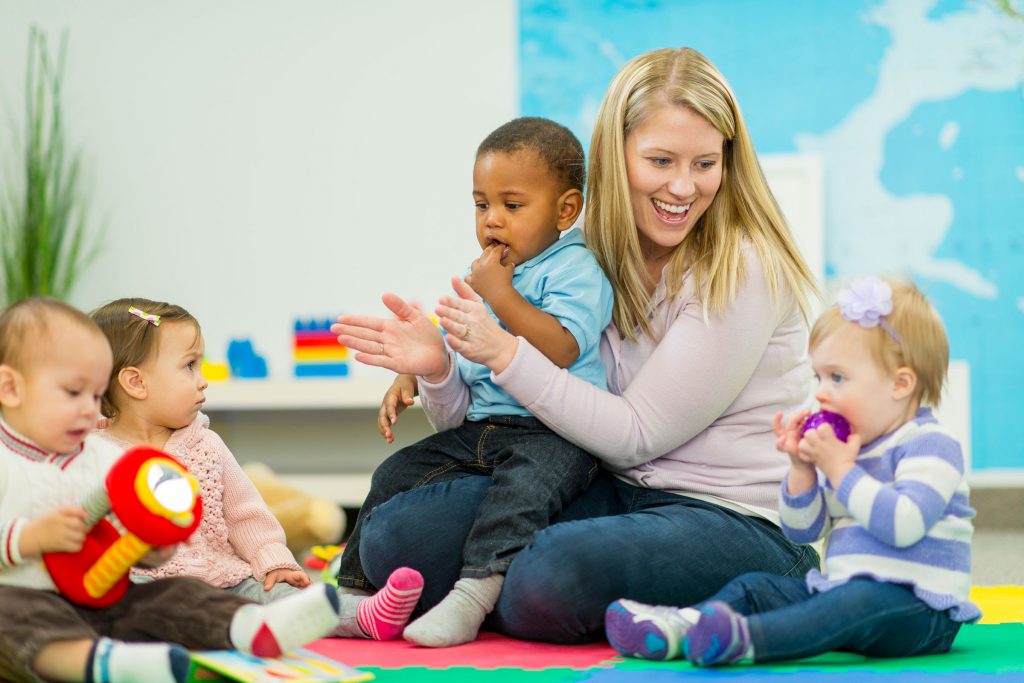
(691, 377)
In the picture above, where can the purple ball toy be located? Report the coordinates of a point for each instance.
(839, 424)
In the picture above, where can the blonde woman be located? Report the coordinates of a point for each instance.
(707, 342)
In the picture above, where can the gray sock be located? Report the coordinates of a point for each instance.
(348, 615)
(457, 618)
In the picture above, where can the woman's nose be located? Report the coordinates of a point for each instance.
(681, 184)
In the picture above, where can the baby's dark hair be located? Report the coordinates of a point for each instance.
(554, 143)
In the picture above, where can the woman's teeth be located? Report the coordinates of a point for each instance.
(672, 208)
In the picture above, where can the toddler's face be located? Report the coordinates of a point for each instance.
(60, 402)
(517, 204)
(174, 377)
(852, 383)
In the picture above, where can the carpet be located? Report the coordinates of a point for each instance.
(991, 651)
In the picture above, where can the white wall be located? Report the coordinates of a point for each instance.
(261, 161)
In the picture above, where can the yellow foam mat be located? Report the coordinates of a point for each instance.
(999, 604)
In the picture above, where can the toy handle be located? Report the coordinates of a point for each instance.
(114, 564)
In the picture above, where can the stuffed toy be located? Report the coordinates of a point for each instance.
(306, 520)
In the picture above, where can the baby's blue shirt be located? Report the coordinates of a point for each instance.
(564, 281)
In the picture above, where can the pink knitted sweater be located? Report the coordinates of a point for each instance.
(238, 537)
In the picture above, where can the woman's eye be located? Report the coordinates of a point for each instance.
(705, 165)
(660, 161)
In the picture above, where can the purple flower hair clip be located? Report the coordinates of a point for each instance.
(866, 302)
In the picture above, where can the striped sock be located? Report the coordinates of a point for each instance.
(384, 615)
(112, 661)
(281, 626)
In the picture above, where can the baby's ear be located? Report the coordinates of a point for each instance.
(904, 383)
(570, 204)
(10, 386)
(131, 382)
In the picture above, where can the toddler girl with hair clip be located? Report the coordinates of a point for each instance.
(154, 397)
(891, 497)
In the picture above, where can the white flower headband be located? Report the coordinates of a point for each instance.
(866, 302)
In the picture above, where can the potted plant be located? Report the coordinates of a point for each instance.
(44, 242)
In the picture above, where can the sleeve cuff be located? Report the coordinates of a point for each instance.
(525, 377)
(271, 557)
(800, 500)
(10, 543)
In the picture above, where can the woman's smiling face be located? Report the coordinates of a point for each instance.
(674, 165)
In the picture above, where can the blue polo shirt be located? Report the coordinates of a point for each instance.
(564, 281)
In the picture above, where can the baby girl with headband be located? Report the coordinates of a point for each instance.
(154, 397)
(892, 499)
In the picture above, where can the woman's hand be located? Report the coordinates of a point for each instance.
(472, 332)
(400, 395)
(293, 577)
(409, 343)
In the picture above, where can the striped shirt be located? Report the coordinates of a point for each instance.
(901, 515)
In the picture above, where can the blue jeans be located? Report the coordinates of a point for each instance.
(533, 474)
(614, 541)
(863, 616)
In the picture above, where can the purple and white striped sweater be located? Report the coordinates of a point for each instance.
(901, 515)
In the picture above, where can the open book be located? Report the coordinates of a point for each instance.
(300, 666)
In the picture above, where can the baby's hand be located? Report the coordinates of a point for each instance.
(487, 276)
(157, 555)
(787, 438)
(58, 531)
(832, 456)
(293, 577)
(398, 397)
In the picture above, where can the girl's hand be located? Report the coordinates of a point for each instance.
(487, 276)
(833, 457)
(401, 394)
(158, 555)
(787, 438)
(409, 343)
(472, 332)
(293, 577)
(59, 531)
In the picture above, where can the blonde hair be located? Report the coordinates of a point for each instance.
(131, 338)
(743, 209)
(27, 323)
(917, 340)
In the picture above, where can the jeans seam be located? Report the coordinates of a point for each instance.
(480, 445)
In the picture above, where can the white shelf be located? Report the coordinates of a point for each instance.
(296, 394)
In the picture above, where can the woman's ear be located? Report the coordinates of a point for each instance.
(10, 387)
(570, 204)
(904, 383)
(131, 381)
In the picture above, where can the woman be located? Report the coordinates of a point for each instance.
(707, 342)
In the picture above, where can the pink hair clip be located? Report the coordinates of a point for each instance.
(153, 320)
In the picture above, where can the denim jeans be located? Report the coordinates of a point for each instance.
(533, 474)
(614, 541)
(863, 616)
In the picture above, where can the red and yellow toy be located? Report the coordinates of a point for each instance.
(158, 503)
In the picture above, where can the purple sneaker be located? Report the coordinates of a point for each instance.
(720, 636)
(646, 631)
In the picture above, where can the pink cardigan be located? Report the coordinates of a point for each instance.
(238, 537)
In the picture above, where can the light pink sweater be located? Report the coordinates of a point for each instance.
(689, 409)
(238, 537)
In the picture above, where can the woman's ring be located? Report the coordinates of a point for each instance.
(466, 336)
(381, 348)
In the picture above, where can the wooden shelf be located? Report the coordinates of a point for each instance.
(295, 394)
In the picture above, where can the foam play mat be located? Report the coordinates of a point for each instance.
(991, 651)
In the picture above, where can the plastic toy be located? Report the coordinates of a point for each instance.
(244, 361)
(316, 351)
(839, 424)
(157, 502)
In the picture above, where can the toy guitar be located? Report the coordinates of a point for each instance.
(158, 503)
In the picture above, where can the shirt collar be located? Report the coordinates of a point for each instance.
(574, 236)
(26, 448)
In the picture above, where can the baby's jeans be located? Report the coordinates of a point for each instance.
(862, 616)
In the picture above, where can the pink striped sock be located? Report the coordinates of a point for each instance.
(384, 615)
